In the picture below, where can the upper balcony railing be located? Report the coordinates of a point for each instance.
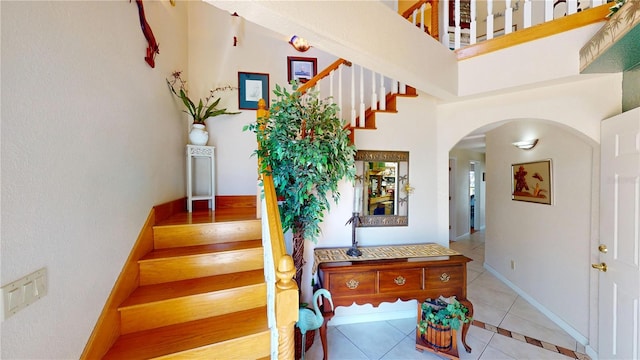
(460, 23)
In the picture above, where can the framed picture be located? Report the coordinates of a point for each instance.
(532, 182)
(252, 87)
(301, 68)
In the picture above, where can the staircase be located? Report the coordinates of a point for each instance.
(201, 293)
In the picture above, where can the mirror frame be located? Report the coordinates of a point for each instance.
(363, 156)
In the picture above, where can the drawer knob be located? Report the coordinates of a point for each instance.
(445, 277)
(400, 280)
(352, 284)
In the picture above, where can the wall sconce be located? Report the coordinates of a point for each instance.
(299, 43)
(526, 144)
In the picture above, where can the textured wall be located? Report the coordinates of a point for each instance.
(90, 142)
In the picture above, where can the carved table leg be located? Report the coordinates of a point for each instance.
(323, 333)
(465, 327)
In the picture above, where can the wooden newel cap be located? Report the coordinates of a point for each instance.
(285, 273)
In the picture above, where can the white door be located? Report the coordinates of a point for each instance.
(619, 293)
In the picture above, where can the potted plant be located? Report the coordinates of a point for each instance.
(438, 318)
(306, 148)
(200, 112)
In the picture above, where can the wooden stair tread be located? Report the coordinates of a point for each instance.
(210, 216)
(164, 291)
(189, 335)
(200, 249)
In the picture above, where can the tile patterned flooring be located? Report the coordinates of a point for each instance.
(506, 327)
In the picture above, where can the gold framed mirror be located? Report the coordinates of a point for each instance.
(383, 176)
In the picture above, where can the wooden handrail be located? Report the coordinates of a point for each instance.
(324, 73)
(286, 295)
(574, 21)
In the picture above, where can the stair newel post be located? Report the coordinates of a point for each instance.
(374, 96)
(473, 31)
(548, 10)
(457, 32)
(508, 17)
(489, 19)
(526, 14)
(383, 94)
(353, 97)
(361, 113)
(287, 303)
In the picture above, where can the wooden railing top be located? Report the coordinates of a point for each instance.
(324, 73)
(574, 21)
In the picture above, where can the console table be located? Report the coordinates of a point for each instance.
(389, 279)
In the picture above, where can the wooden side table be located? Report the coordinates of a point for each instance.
(193, 152)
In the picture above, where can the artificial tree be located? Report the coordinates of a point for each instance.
(306, 148)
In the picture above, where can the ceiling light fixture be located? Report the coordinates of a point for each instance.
(526, 144)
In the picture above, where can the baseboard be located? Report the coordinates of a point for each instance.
(553, 317)
(235, 201)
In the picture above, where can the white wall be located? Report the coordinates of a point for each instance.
(90, 142)
(214, 62)
(550, 245)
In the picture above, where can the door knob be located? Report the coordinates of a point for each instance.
(603, 248)
(602, 267)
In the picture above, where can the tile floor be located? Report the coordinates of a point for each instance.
(495, 305)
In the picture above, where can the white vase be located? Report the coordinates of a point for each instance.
(198, 135)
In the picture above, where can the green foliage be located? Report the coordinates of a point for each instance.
(204, 109)
(614, 9)
(442, 313)
(307, 148)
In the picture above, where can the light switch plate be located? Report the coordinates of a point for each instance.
(23, 292)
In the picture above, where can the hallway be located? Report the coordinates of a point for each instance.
(501, 320)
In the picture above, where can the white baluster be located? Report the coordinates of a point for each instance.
(353, 97)
(595, 3)
(383, 94)
(444, 25)
(331, 99)
(374, 97)
(548, 10)
(394, 87)
(572, 7)
(422, 8)
(402, 88)
(341, 116)
(414, 17)
(473, 31)
(361, 115)
(489, 19)
(457, 31)
(508, 17)
(526, 14)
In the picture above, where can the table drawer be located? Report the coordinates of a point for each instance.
(355, 283)
(444, 276)
(400, 280)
